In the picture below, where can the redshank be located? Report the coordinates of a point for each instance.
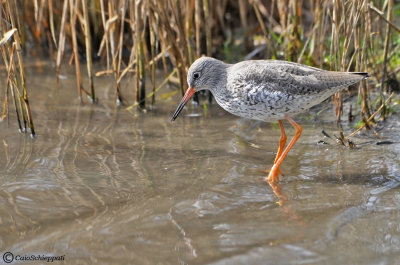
(266, 90)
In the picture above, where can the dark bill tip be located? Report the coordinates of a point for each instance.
(189, 93)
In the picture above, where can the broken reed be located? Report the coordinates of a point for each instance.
(136, 36)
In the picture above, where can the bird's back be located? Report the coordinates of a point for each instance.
(270, 89)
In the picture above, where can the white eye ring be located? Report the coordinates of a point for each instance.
(196, 75)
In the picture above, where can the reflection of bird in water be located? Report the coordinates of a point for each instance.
(266, 90)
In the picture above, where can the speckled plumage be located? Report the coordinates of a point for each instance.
(267, 90)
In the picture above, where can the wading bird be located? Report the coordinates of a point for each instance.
(266, 90)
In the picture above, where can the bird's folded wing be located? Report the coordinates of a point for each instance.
(276, 77)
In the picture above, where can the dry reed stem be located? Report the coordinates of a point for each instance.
(207, 26)
(256, 8)
(61, 39)
(140, 70)
(335, 46)
(153, 47)
(380, 14)
(88, 46)
(188, 25)
(198, 23)
(112, 29)
(385, 57)
(243, 20)
(104, 40)
(122, 8)
(7, 36)
(73, 14)
(10, 75)
(51, 20)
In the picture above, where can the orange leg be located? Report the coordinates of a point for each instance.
(282, 143)
(273, 175)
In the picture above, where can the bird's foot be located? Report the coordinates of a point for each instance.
(267, 171)
(273, 176)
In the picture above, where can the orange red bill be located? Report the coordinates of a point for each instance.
(189, 93)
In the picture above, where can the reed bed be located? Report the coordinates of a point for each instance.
(11, 52)
(138, 37)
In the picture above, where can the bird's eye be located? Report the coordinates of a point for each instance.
(196, 75)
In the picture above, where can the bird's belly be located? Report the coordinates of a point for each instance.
(272, 107)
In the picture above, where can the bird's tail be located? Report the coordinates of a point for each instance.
(363, 74)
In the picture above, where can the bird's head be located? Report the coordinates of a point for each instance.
(204, 73)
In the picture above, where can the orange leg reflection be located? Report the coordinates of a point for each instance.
(276, 188)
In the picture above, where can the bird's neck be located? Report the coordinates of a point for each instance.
(218, 86)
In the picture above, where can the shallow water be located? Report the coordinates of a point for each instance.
(101, 184)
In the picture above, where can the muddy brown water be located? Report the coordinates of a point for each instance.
(101, 184)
